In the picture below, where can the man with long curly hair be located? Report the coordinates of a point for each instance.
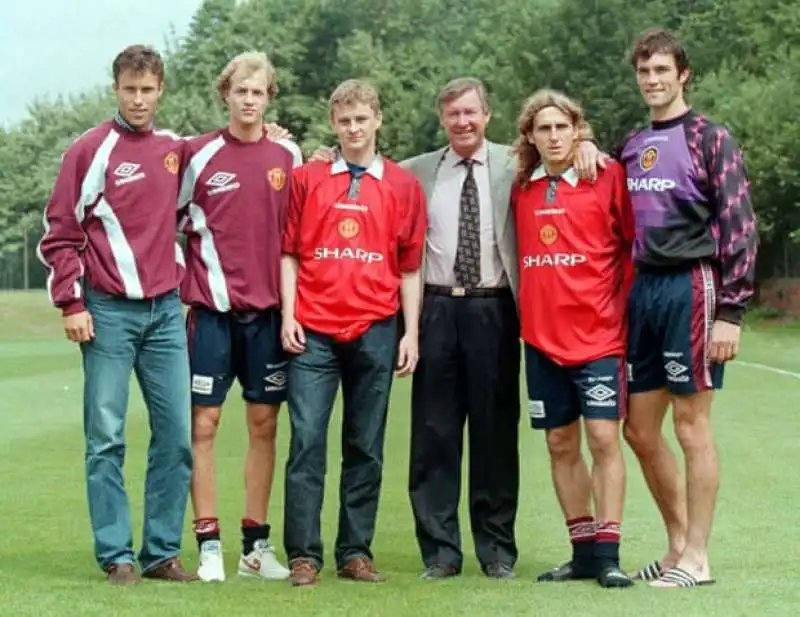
(574, 241)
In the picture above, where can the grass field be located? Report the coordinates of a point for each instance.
(47, 568)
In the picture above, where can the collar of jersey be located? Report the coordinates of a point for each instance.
(121, 122)
(375, 169)
(570, 175)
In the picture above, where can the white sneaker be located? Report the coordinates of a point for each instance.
(211, 566)
(262, 562)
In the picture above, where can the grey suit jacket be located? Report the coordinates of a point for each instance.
(502, 167)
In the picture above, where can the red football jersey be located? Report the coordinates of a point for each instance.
(353, 240)
(575, 240)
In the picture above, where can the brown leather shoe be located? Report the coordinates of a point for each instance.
(303, 573)
(171, 570)
(361, 569)
(121, 574)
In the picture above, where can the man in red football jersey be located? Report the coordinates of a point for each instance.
(352, 255)
(114, 271)
(234, 198)
(575, 239)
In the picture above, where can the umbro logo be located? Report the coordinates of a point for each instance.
(125, 170)
(276, 381)
(600, 392)
(676, 372)
(601, 395)
(222, 181)
(127, 173)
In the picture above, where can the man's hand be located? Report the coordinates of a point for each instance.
(724, 343)
(588, 159)
(293, 338)
(276, 132)
(407, 355)
(325, 154)
(79, 327)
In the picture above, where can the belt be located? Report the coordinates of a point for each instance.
(464, 292)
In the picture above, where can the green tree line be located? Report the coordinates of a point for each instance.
(745, 55)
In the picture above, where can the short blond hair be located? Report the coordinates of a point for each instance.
(459, 87)
(252, 62)
(528, 155)
(354, 91)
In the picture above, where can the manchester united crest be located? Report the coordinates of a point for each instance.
(348, 227)
(648, 158)
(172, 162)
(548, 234)
(277, 178)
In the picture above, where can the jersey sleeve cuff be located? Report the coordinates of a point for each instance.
(730, 314)
(73, 307)
(410, 261)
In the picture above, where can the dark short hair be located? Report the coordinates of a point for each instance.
(659, 41)
(139, 59)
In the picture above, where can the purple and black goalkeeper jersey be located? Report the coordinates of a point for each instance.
(690, 193)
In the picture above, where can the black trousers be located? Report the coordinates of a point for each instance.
(468, 372)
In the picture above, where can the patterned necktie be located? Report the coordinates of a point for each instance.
(467, 266)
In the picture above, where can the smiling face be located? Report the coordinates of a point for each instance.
(464, 118)
(661, 83)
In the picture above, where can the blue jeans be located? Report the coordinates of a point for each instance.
(366, 369)
(147, 337)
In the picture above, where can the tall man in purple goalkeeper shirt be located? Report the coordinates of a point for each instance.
(234, 198)
(695, 254)
(114, 271)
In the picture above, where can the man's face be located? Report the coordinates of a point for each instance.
(464, 119)
(247, 96)
(659, 80)
(137, 97)
(355, 126)
(554, 135)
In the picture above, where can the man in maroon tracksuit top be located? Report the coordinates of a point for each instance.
(114, 270)
(234, 197)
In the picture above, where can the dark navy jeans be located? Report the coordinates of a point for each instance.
(365, 368)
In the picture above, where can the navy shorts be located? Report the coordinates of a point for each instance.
(560, 395)
(243, 346)
(670, 319)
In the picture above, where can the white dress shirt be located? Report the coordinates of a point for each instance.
(443, 215)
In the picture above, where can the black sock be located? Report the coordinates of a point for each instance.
(583, 555)
(252, 531)
(582, 537)
(606, 548)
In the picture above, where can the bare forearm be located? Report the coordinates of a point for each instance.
(288, 285)
(411, 300)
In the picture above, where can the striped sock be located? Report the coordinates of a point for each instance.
(582, 536)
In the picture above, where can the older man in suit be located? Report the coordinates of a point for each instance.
(469, 347)
(469, 362)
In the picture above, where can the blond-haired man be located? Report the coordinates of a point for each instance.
(352, 254)
(234, 198)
